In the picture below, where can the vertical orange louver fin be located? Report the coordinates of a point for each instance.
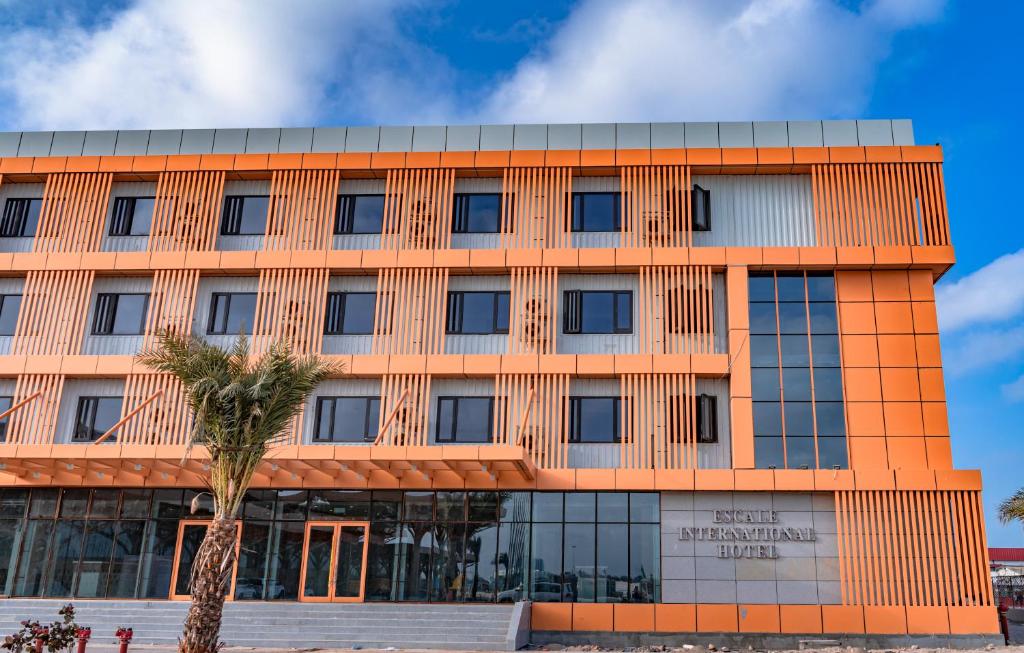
(164, 421)
(73, 212)
(541, 399)
(418, 209)
(186, 211)
(410, 312)
(535, 210)
(533, 320)
(36, 421)
(302, 205)
(913, 548)
(171, 303)
(53, 312)
(659, 421)
(290, 307)
(656, 206)
(407, 426)
(676, 309)
(879, 204)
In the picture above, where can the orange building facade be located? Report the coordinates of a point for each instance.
(721, 361)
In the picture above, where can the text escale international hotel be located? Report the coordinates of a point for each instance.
(653, 378)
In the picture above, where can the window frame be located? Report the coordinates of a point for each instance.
(213, 313)
(5, 422)
(369, 430)
(112, 318)
(349, 216)
(228, 201)
(81, 406)
(455, 302)
(10, 224)
(616, 212)
(3, 302)
(573, 324)
(132, 202)
(700, 196)
(575, 404)
(460, 213)
(344, 294)
(452, 438)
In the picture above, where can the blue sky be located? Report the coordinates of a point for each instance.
(953, 67)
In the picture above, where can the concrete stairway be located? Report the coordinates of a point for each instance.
(288, 624)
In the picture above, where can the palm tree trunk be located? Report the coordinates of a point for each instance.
(211, 580)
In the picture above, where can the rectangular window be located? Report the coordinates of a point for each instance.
(131, 216)
(244, 215)
(478, 312)
(476, 213)
(21, 217)
(594, 419)
(350, 313)
(10, 306)
(700, 204)
(346, 419)
(796, 381)
(120, 314)
(359, 214)
(465, 419)
(704, 418)
(5, 405)
(95, 416)
(596, 212)
(598, 311)
(232, 313)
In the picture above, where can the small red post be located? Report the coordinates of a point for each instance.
(125, 635)
(83, 638)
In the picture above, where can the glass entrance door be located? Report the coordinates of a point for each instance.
(334, 561)
(190, 536)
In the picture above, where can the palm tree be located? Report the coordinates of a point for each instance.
(241, 406)
(1012, 509)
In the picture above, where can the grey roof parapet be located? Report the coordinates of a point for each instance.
(460, 138)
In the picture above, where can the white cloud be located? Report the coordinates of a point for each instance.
(978, 350)
(1014, 391)
(990, 294)
(215, 64)
(710, 60)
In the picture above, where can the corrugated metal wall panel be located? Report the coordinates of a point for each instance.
(14, 191)
(454, 388)
(208, 286)
(758, 211)
(125, 243)
(721, 313)
(73, 390)
(113, 345)
(349, 344)
(477, 344)
(598, 343)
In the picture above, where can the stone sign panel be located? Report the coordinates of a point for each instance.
(749, 547)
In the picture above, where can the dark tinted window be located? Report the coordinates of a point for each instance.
(476, 213)
(131, 216)
(20, 217)
(478, 312)
(232, 313)
(346, 419)
(594, 419)
(350, 313)
(244, 215)
(596, 211)
(359, 214)
(95, 416)
(598, 311)
(10, 305)
(119, 314)
(5, 405)
(465, 419)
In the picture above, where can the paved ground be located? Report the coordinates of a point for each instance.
(96, 647)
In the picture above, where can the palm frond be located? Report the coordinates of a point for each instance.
(241, 405)
(1012, 509)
